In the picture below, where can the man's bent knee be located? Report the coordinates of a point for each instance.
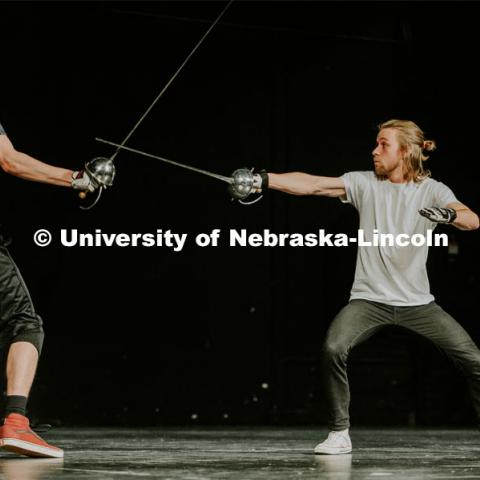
(35, 338)
(333, 350)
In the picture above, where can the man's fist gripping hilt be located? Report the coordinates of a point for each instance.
(98, 174)
(81, 180)
(260, 181)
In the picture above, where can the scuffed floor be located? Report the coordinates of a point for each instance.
(250, 453)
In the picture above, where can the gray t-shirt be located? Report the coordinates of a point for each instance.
(2, 131)
(393, 275)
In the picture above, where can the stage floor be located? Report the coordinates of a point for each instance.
(249, 453)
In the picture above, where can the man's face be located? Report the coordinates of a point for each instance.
(387, 155)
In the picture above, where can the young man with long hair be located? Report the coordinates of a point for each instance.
(391, 285)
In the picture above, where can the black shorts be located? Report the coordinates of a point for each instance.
(18, 320)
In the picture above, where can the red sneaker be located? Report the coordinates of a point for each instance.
(16, 436)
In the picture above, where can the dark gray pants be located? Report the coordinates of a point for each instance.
(360, 319)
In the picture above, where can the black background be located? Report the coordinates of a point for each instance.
(146, 336)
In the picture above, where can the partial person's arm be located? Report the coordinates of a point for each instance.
(466, 219)
(455, 213)
(298, 183)
(21, 165)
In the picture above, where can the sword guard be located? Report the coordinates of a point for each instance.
(99, 194)
(242, 183)
(252, 202)
(102, 173)
(242, 186)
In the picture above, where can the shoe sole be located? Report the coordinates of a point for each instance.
(333, 451)
(29, 449)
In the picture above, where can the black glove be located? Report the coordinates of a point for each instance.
(260, 180)
(439, 215)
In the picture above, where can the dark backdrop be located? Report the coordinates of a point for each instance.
(145, 336)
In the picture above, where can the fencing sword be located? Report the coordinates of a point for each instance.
(241, 184)
(101, 169)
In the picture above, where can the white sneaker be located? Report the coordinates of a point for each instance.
(335, 444)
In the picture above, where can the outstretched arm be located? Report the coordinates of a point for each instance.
(298, 183)
(21, 165)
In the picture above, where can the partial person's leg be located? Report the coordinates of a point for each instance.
(22, 360)
(22, 363)
(21, 331)
(355, 323)
(434, 323)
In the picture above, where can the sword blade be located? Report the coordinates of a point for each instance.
(166, 160)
